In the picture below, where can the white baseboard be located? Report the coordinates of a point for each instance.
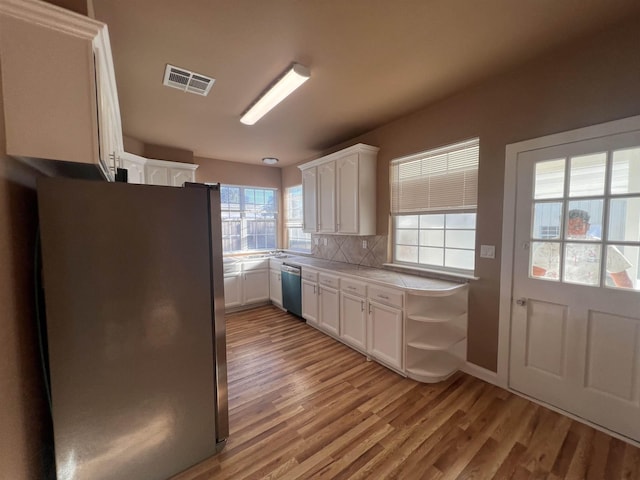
(483, 374)
(492, 377)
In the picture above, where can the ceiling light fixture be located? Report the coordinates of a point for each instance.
(269, 160)
(291, 80)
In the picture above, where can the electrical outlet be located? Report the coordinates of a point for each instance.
(325, 241)
(487, 251)
(365, 244)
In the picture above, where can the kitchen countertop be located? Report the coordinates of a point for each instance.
(377, 275)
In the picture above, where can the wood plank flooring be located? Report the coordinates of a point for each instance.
(303, 406)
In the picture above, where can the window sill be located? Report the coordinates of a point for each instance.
(431, 271)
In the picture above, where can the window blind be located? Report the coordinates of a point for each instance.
(437, 180)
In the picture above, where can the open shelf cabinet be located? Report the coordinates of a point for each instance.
(436, 333)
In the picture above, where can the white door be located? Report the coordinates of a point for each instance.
(575, 332)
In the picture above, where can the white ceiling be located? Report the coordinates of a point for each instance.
(371, 62)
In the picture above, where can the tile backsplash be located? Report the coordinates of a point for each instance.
(349, 249)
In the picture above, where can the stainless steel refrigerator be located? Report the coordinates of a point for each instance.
(134, 301)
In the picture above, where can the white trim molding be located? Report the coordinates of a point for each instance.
(512, 152)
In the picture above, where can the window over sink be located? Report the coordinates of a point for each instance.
(249, 218)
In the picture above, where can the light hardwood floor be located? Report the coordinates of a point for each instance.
(303, 405)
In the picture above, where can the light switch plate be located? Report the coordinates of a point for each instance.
(487, 251)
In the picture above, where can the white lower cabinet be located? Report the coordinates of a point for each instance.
(310, 296)
(385, 341)
(246, 283)
(384, 328)
(255, 286)
(275, 287)
(329, 304)
(436, 333)
(232, 290)
(353, 313)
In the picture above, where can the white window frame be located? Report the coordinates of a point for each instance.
(293, 221)
(441, 181)
(245, 219)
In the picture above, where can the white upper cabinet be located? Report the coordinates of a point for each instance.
(309, 199)
(339, 192)
(157, 172)
(172, 174)
(59, 90)
(327, 197)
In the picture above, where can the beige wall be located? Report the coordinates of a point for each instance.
(231, 173)
(24, 421)
(588, 82)
(133, 145)
(171, 154)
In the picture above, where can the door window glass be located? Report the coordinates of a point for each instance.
(590, 234)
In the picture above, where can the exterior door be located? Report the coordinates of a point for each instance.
(575, 332)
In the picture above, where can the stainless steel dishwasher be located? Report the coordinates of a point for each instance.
(291, 289)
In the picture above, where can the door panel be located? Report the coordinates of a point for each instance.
(576, 312)
(546, 339)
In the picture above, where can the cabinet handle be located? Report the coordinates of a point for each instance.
(362, 305)
(383, 296)
(314, 289)
(369, 309)
(278, 276)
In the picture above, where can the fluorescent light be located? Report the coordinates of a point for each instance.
(291, 80)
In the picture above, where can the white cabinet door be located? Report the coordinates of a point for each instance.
(384, 332)
(275, 287)
(309, 200)
(134, 166)
(232, 290)
(58, 84)
(329, 311)
(156, 175)
(347, 194)
(353, 320)
(179, 176)
(255, 286)
(310, 302)
(327, 197)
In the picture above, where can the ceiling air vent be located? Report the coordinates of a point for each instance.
(187, 81)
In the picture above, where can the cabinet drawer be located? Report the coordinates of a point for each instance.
(386, 295)
(231, 267)
(329, 281)
(351, 286)
(308, 274)
(261, 264)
